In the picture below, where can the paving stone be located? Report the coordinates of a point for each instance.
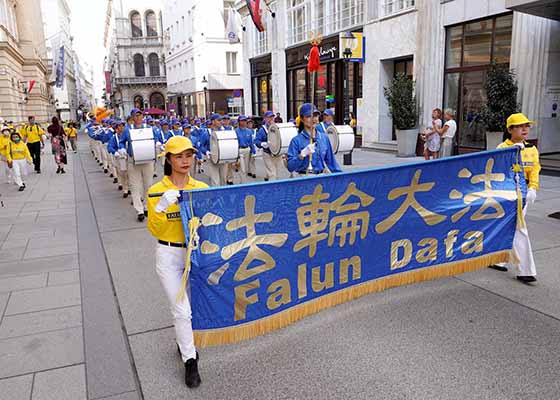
(57, 212)
(23, 282)
(14, 243)
(12, 217)
(35, 252)
(18, 388)
(37, 265)
(42, 321)
(63, 277)
(61, 384)
(41, 352)
(13, 254)
(43, 299)
(40, 205)
(3, 302)
(122, 396)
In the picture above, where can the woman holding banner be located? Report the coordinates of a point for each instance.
(518, 126)
(165, 224)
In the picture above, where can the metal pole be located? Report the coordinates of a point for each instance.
(347, 158)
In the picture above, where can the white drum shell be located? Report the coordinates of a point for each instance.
(280, 136)
(341, 138)
(143, 145)
(224, 147)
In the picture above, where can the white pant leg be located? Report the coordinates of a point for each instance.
(6, 172)
(244, 161)
(523, 250)
(19, 171)
(278, 166)
(268, 165)
(252, 164)
(230, 169)
(147, 180)
(97, 149)
(136, 186)
(170, 264)
(213, 172)
(223, 168)
(104, 156)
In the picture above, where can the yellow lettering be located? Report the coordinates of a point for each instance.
(317, 284)
(474, 243)
(302, 281)
(449, 241)
(406, 245)
(242, 300)
(279, 294)
(344, 274)
(428, 252)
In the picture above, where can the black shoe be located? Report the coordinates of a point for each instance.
(498, 268)
(140, 217)
(120, 187)
(115, 180)
(58, 170)
(266, 179)
(255, 176)
(526, 279)
(192, 378)
(38, 171)
(110, 176)
(21, 188)
(62, 171)
(125, 195)
(129, 192)
(105, 170)
(145, 213)
(250, 175)
(154, 176)
(230, 183)
(24, 185)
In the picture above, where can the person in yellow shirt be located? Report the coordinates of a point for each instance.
(518, 126)
(164, 223)
(72, 133)
(4, 140)
(32, 134)
(17, 154)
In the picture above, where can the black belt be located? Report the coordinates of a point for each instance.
(310, 173)
(246, 147)
(181, 245)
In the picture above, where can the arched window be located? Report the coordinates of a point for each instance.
(151, 24)
(157, 101)
(138, 102)
(139, 69)
(153, 62)
(135, 24)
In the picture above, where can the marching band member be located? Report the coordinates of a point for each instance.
(253, 157)
(518, 126)
(310, 152)
(194, 140)
(246, 146)
(175, 129)
(272, 164)
(327, 119)
(113, 149)
(216, 172)
(165, 224)
(165, 130)
(139, 175)
(103, 139)
(226, 123)
(17, 154)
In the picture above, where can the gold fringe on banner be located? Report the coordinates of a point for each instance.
(211, 337)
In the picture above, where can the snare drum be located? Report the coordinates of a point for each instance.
(224, 147)
(341, 138)
(280, 136)
(143, 145)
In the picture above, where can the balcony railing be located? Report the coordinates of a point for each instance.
(389, 7)
(145, 41)
(141, 80)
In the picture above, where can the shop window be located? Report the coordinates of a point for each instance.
(502, 39)
(478, 43)
(454, 46)
(231, 62)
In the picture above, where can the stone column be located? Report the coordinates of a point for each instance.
(276, 40)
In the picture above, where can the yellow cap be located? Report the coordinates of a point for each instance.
(518, 119)
(178, 144)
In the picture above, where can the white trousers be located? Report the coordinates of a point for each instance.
(19, 169)
(4, 170)
(217, 173)
(97, 149)
(122, 174)
(104, 155)
(140, 179)
(523, 251)
(244, 163)
(113, 165)
(446, 147)
(272, 165)
(170, 264)
(253, 164)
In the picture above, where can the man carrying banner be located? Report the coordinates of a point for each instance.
(165, 224)
(518, 126)
(310, 152)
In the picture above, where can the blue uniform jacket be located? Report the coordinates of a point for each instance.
(323, 156)
(262, 136)
(245, 138)
(203, 142)
(171, 133)
(107, 133)
(158, 135)
(113, 144)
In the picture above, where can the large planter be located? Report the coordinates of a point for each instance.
(493, 139)
(406, 142)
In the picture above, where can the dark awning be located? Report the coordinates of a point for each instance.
(542, 8)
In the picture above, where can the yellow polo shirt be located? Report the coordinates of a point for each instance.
(17, 151)
(530, 160)
(71, 132)
(32, 133)
(167, 226)
(4, 140)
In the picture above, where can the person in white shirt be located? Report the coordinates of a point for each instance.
(447, 132)
(431, 137)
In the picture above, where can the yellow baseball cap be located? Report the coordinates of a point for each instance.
(518, 119)
(178, 144)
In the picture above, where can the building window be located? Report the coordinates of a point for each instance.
(153, 62)
(261, 42)
(138, 101)
(471, 48)
(151, 24)
(394, 6)
(157, 101)
(135, 24)
(262, 94)
(139, 65)
(231, 61)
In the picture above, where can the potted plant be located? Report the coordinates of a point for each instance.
(501, 92)
(402, 109)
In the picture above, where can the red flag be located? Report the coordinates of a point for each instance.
(31, 84)
(254, 7)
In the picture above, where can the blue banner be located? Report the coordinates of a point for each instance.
(268, 254)
(60, 67)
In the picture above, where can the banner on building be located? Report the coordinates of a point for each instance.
(254, 7)
(60, 68)
(232, 33)
(108, 84)
(269, 254)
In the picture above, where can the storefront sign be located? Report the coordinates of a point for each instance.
(359, 49)
(326, 53)
(264, 86)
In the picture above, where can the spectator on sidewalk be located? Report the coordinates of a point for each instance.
(32, 134)
(278, 119)
(58, 144)
(17, 156)
(432, 139)
(447, 133)
(72, 134)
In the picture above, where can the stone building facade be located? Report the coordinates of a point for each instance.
(22, 60)
(136, 59)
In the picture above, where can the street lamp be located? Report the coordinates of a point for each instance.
(348, 43)
(205, 83)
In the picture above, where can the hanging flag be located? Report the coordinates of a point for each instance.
(60, 69)
(30, 86)
(254, 7)
(231, 28)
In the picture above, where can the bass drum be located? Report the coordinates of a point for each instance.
(143, 145)
(224, 147)
(280, 136)
(341, 138)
